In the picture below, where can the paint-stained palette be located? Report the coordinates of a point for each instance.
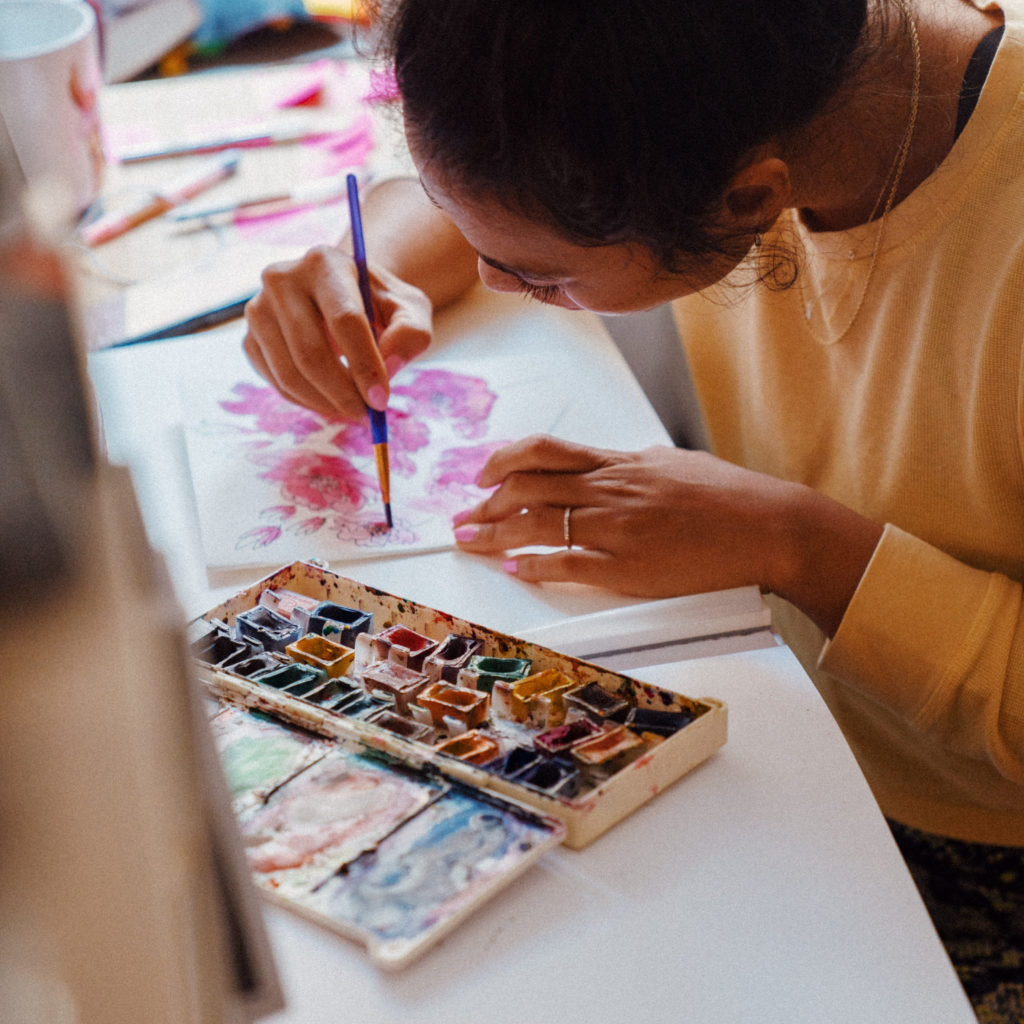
(390, 855)
(392, 766)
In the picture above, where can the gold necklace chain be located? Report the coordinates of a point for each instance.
(895, 171)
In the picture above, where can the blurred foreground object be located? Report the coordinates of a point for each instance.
(49, 96)
(124, 894)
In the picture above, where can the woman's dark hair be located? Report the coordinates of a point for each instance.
(618, 122)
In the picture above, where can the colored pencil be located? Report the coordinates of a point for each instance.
(242, 140)
(180, 191)
(258, 206)
(378, 418)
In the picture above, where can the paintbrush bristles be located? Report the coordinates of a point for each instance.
(380, 451)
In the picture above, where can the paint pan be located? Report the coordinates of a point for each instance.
(556, 776)
(596, 702)
(536, 698)
(403, 646)
(252, 666)
(339, 623)
(345, 691)
(318, 651)
(661, 723)
(199, 634)
(559, 740)
(473, 747)
(407, 728)
(482, 672)
(454, 708)
(397, 681)
(315, 690)
(514, 761)
(283, 677)
(271, 631)
(321, 694)
(289, 605)
(607, 752)
(451, 655)
(360, 707)
(222, 649)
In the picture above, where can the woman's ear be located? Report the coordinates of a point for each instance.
(756, 195)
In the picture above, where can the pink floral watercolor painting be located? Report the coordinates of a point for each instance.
(275, 482)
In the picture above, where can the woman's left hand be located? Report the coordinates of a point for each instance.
(661, 522)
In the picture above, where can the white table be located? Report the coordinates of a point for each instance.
(764, 886)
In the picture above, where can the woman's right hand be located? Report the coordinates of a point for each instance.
(308, 334)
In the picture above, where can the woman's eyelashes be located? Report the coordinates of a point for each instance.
(540, 292)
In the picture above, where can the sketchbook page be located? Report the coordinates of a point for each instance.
(275, 483)
(664, 631)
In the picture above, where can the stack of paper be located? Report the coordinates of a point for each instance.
(660, 632)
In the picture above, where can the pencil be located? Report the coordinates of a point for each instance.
(378, 418)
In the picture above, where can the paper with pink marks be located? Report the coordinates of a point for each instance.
(275, 482)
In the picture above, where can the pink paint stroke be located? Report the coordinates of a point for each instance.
(464, 401)
(313, 482)
(274, 415)
(258, 537)
(316, 481)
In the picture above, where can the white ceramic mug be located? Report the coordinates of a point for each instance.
(49, 96)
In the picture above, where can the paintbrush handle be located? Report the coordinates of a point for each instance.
(378, 418)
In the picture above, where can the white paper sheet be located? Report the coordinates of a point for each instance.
(274, 482)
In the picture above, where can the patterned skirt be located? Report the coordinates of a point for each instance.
(975, 895)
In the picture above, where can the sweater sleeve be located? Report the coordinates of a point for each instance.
(941, 644)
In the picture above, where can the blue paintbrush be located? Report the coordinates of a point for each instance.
(378, 419)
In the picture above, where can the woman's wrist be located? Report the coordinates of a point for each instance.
(819, 551)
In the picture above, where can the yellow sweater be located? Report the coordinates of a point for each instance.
(899, 391)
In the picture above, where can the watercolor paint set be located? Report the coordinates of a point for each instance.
(392, 766)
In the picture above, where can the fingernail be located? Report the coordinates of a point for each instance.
(393, 364)
(466, 533)
(461, 517)
(377, 397)
(511, 566)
